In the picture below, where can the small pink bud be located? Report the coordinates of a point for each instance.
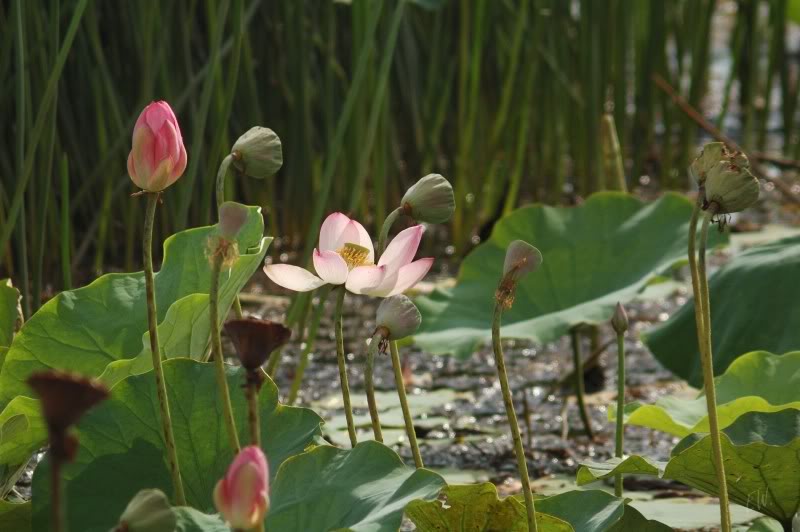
(158, 157)
(242, 495)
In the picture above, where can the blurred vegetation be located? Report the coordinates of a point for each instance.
(504, 97)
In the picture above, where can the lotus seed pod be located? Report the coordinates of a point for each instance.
(232, 217)
(430, 200)
(730, 188)
(712, 153)
(65, 396)
(619, 321)
(521, 259)
(258, 153)
(148, 511)
(399, 316)
(255, 339)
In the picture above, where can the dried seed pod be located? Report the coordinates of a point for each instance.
(65, 396)
(255, 339)
(521, 259)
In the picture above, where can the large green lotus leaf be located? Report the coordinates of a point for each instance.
(362, 489)
(753, 306)
(762, 463)
(15, 517)
(585, 510)
(604, 251)
(633, 521)
(475, 508)
(84, 330)
(121, 450)
(10, 312)
(755, 382)
(22, 431)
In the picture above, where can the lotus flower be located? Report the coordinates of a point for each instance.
(158, 156)
(241, 496)
(346, 257)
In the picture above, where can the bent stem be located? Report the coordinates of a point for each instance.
(620, 435)
(708, 374)
(155, 350)
(311, 337)
(369, 384)
(340, 358)
(216, 348)
(401, 394)
(511, 414)
(222, 173)
(579, 388)
(387, 224)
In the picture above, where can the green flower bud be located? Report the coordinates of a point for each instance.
(430, 200)
(730, 187)
(398, 316)
(258, 153)
(232, 217)
(148, 511)
(619, 321)
(521, 259)
(712, 153)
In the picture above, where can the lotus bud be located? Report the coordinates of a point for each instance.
(730, 187)
(232, 217)
(148, 511)
(158, 156)
(255, 339)
(65, 398)
(521, 259)
(712, 153)
(398, 317)
(619, 321)
(258, 153)
(242, 495)
(429, 200)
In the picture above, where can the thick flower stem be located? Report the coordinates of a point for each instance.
(340, 358)
(251, 391)
(309, 345)
(511, 414)
(577, 361)
(699, 315)
(401, 393)
(387, 224)
(708, 375)
(620, 435)
(57, 516)
(216, 349)
(369, 384)
(152, 320)
(222, 173)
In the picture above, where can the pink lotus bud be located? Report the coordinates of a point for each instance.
(158, 157)
(241, 497)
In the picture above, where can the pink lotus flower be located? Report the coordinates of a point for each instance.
(241, 496)
(346, 256)
(158, 157)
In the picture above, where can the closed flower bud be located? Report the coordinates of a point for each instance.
(398, 316)
(255, 339)
(148, 511)
(158, 156)
(232, 217)
(242, 495)
(258, 153)
(521, 259)
(619, 321)
(429, 200)
(730, 187)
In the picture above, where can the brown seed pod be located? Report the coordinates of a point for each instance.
(255, 339)
(66, 396)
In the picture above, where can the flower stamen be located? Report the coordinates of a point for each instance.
(354, 255)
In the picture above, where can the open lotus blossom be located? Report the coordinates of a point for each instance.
(242, 495)
(346, 256)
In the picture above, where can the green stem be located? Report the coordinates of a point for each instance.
(340, 358)
(216, 349)
(401, 393)
(369, 384)
(309, 345)
(579, 389)
(698, 302)
(387, 224)
(708, 377)
(620, 435)
(251, 391)
(511, 414)
(152, 321)
(222, 173)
